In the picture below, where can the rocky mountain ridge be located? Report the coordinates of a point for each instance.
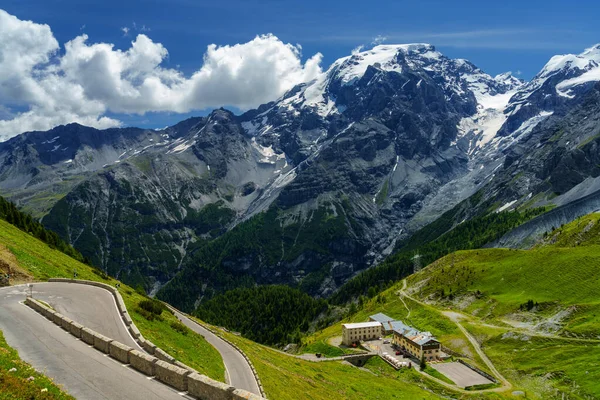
(329, 176)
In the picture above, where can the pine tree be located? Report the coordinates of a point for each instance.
(422, 364)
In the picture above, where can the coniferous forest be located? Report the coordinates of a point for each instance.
(271, 314)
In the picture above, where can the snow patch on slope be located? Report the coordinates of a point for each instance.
(527, 126)
(564, 87)
(505, 206)
(268, 154)
(178, 146)
(488, 120)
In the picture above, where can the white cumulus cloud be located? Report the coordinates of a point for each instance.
(42, 86)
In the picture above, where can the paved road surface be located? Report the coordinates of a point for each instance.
(460, 374)
(95, 308)
(238, 370)
(91, 306)
(83, 371)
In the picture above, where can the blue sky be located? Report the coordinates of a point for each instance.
(496, 36)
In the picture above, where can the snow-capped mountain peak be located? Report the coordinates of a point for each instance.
(493, 112)
(457, 77)
(588, 66)
(384, 57)
(562, 81)
(507, 78)
(348, 70)
(584, 61)
(380, 83)
(567, 71)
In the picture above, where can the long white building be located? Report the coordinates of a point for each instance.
(356, 332)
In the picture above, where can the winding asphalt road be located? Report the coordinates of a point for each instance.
(91, 306)
(83, 372)
(239, 373)
(75, 301)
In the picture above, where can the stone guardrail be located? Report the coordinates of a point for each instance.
(260, 386)
(156, 363)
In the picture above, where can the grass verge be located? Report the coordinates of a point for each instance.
(19, 381)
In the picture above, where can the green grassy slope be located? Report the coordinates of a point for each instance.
(15, 384)
(433, 241)
(535, 312)
(548, 367)
(10, 213)
(495, 283)
(584, 231)
(41, 262)
(285, 377)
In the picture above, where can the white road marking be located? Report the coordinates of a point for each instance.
(123, 322)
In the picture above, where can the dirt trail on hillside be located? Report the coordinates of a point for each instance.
(456, 318)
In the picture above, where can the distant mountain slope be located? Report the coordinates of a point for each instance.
(532, 232)
(315, 186)
(557, 164)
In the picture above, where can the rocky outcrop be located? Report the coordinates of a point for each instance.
(530, 233)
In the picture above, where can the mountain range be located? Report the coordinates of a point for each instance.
(322, 183)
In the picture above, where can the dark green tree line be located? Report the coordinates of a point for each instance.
(271, 314)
